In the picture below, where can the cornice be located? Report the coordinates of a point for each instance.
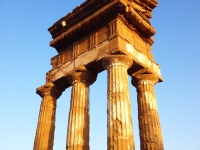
(66, 34)
(92, 13)
(76, 15)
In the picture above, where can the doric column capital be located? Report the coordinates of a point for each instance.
(49, 89)
(116, 60)
(144, 78)
(82, 75)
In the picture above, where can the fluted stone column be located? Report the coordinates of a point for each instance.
(149, 123)
(119, 121)
(46, 121)
(78, 123)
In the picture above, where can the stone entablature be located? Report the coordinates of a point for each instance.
(77, 24)
(114, 29)
(90, 6)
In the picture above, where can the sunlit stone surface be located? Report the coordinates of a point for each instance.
(116, 36)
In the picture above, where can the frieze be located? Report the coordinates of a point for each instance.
(133, 38)
(68, 54)
(83, 45)
(60, 59)
(114, 28)
(75, 48)
(65, 56)
(54, 62)
(93, 40)
(102, 35)
(139, 44)
(123, 31)
(149, 53)
(80, 47)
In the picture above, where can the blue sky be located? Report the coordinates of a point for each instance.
(25, 58)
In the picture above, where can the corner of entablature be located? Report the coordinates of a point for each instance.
(141, 7)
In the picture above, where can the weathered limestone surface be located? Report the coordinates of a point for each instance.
(120, 131)
(46, 121)
(115, 35)
(149, 123)
(78, 123)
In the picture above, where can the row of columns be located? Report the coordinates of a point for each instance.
(119, 120)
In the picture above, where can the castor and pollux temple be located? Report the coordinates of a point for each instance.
(98, 35)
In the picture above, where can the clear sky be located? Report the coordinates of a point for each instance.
(25, 59)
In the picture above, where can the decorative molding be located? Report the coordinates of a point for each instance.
(93, 40)
(113, 28)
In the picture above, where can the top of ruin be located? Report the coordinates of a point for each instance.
(89, 6)
(98, 28)
(91, 13)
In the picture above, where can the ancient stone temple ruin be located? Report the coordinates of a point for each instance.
(98, 35)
